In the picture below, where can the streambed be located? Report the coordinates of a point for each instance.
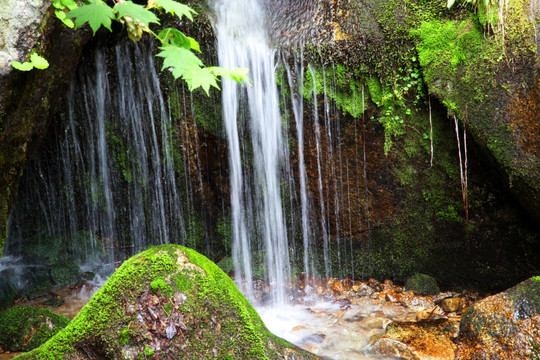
(337, 319)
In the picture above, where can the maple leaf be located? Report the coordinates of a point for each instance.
(95, 14)
(136, 12)
(181, 61)
(201, 77)
(175, 37)
(176, 8)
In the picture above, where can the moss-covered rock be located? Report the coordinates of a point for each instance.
(502, 326)
(168, 301)
(490, 82)
(24, 328)
(424, 284)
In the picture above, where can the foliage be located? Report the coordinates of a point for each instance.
(176, 48)
(62, 7)
(25, 328)
(36, 61)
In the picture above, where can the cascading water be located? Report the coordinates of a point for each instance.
(105, 188)
(244, 42)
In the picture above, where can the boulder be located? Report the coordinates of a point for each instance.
(422, 283)
(24, 328)
(503, 326)
(168, 302)
(424, 340)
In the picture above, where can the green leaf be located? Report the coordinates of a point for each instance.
(201, 77)
(175, 37)
(177, 9)
(194, 45)
(38, 61)
(181, 61)
(451, 3)
(22, 66)
(237, 74)
(137, 12)
(60, 14)
(95, 14)
(70, 4)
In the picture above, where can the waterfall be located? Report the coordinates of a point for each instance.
(243, 41)
(104, 188)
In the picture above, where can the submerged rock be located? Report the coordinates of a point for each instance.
(168, 302)
(24, 328)
(502, 326)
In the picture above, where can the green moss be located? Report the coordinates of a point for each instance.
(215, 314)
(226, 264)
(424, 284)
(64, 274)
(162, 287)
(148, 351)
(25, 328)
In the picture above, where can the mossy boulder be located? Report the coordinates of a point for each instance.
(503, 326)
(24, 328)
(422, 283)
(167, 302)
(65, 274)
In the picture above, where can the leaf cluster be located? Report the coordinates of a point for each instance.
(177, 49)
(35, 61)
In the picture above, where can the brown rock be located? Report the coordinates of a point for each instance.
(337, 287)
(347, 284)
(393, 297)
(502, 326)
(453, 304)
(393, 348)
(363, 289)
(418, 340)
(374, 284)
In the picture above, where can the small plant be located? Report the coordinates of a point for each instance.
(35, 61)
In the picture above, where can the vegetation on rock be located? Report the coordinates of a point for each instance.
(422, 283)
(168, 299)
(25, 328)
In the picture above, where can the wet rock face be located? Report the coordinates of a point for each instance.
(168, 302)
(28, 99)
(503, 326)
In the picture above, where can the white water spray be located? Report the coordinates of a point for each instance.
(243, 41)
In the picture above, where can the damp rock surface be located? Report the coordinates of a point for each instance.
(503, 326)
(168, 302)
